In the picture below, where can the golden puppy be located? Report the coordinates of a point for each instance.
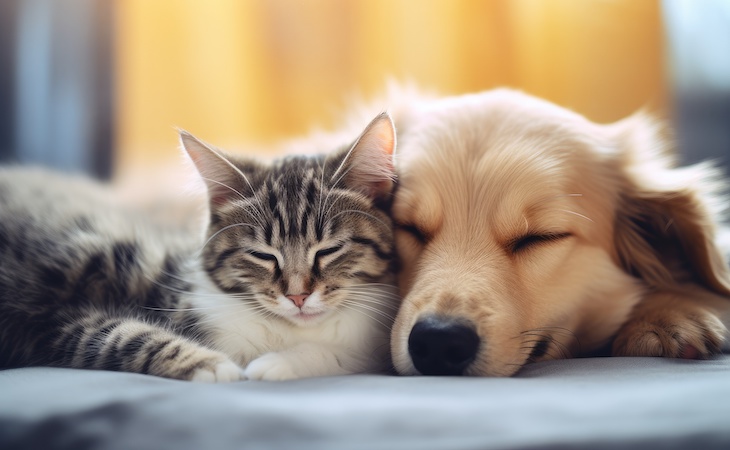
(527, 232)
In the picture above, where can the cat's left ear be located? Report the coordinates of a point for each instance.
(367, 165)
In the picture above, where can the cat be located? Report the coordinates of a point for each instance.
(294, 277)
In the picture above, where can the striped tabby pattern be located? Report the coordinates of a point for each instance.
(294, 277)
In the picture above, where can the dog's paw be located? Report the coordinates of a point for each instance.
(218, 370)
(688, 332)
(270, 367)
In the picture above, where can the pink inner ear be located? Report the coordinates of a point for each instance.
(219, 200)
(383, 133)
(220, 192)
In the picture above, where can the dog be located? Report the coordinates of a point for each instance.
(525, 232)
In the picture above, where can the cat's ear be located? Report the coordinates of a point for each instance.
(224, 179)
(367, 166)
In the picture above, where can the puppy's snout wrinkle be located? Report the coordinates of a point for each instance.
(442, 345)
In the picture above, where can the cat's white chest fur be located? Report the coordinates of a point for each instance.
(348, 340)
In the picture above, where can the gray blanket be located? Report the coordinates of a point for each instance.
(581, 403)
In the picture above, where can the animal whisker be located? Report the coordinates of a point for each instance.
(576, 214)
(354, 308)
(227, 227)
(257, 211)
(371, 308)
(321, 189)
(240, 172)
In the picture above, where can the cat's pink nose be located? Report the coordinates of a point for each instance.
(298, 300)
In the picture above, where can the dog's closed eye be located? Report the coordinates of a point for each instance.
(527, 241)
(414, 231)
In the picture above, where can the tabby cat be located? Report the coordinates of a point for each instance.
(292, 279)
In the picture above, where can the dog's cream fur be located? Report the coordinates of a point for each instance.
(633, 262)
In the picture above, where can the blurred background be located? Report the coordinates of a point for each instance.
(99, 86)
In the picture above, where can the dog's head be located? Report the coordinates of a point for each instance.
(527, 232)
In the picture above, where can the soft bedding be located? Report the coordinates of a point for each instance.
(580, 403)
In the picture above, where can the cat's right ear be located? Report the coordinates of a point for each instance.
(367, 166)
(224, 179)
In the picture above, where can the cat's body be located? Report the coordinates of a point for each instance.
(294, 274)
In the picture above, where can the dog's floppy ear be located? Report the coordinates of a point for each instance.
(667, 216)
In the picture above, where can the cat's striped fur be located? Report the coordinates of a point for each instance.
(293, 278)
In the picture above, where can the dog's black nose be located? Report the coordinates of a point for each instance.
(442, 345)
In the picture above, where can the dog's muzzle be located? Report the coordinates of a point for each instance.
(441, 345)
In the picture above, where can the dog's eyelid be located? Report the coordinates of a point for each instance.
(414, 231)
(528, 240)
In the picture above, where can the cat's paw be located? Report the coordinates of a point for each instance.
(690, 332)
(219, 370)
(270, 367)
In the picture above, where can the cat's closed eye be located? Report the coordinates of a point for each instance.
(263, 256)
(327, 251)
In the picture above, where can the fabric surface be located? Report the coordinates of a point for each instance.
(580, 403)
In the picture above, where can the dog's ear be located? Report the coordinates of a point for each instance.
(667, 216)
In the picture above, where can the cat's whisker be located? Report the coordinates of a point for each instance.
(390, 298)
(342, 164)
(243, 175)
(197, 308)
(334, 185)
(384, 307)
(365, 313)
(200, 294)
(234, 190)
(373, 294)
(390, 312)
(387, 297)
(170, 275)
(256, 210)
(370, 284)
(374, 290)
(321, 189)
(376, 315)
(212, 319)
(334, 202)
(258, 214)
(222, 230)
(326, 199)
(390, 317)
(370, 308)
(167, 287)
(379, 302)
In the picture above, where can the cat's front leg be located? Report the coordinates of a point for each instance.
(301, 361)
